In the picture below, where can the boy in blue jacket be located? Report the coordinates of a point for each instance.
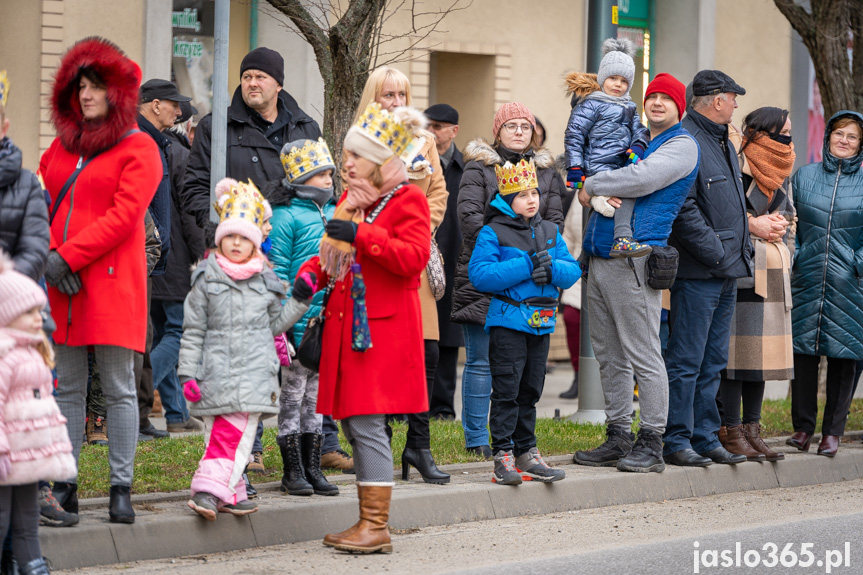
(522, 260)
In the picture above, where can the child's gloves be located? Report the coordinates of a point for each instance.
(304, 286)
(575, 178)
(601, 205)
(635, 153)
(5, 466)
(344, 230)
(540, 259)
(541, 276)
(191, 391)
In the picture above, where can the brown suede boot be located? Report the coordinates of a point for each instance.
(733, 440)
(752, 432)
(332, 538)
(372, 534)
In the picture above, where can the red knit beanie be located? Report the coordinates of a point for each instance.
(509, 112)
(668, 84)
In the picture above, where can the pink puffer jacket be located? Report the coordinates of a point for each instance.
(32, 429)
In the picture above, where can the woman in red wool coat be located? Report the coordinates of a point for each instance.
(96, 269)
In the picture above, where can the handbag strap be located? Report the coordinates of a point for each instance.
(382, 204)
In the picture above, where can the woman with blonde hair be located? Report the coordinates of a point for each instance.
(391, 89)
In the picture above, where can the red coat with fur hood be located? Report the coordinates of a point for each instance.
(99, 226)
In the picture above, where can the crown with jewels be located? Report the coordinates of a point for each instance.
(390, 131)
(4, 88)
(312, 157)
(512, 179)
(244, 202)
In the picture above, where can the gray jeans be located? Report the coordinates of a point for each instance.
(118, 386)
(624, 330)
(298, 400)
(373, 456)
(19, 515)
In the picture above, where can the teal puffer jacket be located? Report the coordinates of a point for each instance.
(827, 275)
(297, 232)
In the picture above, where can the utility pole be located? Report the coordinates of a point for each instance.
(602, 24)
(218, 151)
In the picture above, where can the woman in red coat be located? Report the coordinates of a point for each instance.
(381, 224)
(96, 269)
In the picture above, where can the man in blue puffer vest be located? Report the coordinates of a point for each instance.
(624, 309)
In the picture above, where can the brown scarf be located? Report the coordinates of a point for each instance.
(769, 161)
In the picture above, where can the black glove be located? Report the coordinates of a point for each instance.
(344, 230)
(210, 235)
(541, 276)
(70, 284)
(302, 289)
(540, 259)
(55, 268)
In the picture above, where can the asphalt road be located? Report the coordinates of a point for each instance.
(649, 538)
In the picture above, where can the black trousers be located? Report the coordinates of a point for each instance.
(19, 515)
(517, 362)
(804, 393)
(144, 373)
(733, 393)
(419, 435)
(442, 403)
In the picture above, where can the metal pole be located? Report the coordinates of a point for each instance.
(602, 24)
(218, 150)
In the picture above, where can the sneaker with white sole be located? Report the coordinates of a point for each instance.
(241, 508)
(505, 472)
(204, 504)
(533, 468)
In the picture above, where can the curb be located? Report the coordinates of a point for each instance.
(164, 528)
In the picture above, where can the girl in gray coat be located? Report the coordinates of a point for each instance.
(227, 358)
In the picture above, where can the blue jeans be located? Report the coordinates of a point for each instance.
(167, 319)
(475, 386)
(700, 324)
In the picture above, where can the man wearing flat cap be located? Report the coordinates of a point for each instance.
(262, 118)
(712, 236)
(443, 123)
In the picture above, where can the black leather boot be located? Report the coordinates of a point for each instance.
(572, 392)
(66, 495)
(120, 505)
(424, 462)
(312, 463)
(294, 477)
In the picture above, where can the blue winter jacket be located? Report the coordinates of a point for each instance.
(652, 215)
(297, 232)
(827, 276)
(600, 130)
(500, 264)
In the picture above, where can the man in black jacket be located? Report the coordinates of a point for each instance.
(262, 118)
(443, 123)
(711, 233)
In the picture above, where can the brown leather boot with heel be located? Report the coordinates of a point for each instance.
(372, 534)
(733, 440)
(752, 432)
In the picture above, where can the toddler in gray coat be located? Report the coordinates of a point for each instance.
(227, 358)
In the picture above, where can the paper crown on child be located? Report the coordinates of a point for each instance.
(512, 179)
(301, 163)
(378, 134)
(242, 210)
(4, 88)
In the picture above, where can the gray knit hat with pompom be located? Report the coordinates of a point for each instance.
(617, 61)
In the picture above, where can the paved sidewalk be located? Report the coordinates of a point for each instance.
(165, 527)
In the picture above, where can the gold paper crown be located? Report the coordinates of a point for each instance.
(383, 127)
(4, 88)
(245, 203)
(311, 157)
(512, 179)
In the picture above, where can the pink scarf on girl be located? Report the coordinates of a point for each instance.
(242, 271)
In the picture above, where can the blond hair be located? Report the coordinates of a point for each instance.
(46, 350)
(375, 83)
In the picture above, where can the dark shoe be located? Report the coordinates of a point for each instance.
(51, 513)
(205, 505)
(722, 455)
(423, 461)
(752, 431)
(8, 565)
(312, 463)
(483, 451)
(66, 495)
(338, 459)
(120, 505)
(829, 445)
(188, 426)
(504, 469)
(572, 392)
(35, 567)
(294, 477)
(533, 468)
(628, 248)
(646, 454)
(734, 441)
(150, 431)
(242, 508)
(617, 445)
(801, 440)
(687, 458)
(251, 492)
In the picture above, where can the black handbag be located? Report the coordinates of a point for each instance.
(312, 342)
(662, 267)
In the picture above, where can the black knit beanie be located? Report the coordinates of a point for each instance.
(265, 60)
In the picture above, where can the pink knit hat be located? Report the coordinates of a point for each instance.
(18, 293)
(509, 112)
